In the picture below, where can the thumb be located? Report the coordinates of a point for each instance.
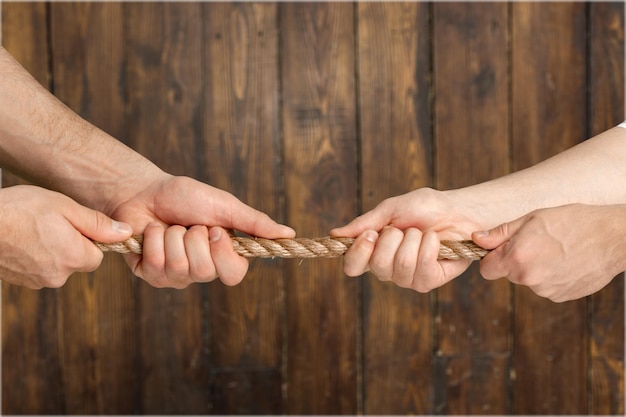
(98, 226)
(491, 239)
(256, 223)
(374, 219)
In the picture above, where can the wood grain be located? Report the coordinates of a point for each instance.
(165, 99)
(242, 150)
(31, 372)
(319, 125)
(395, 132)
(548, 116)
(313, 113)
(96, 311)
(471, 117)
(606, 66)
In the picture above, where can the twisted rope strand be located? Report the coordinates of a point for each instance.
(321, 247)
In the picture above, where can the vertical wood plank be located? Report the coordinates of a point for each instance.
(243, 157)
(203, 85)
(606, 65)
(96, 310)
(319, 124)
(395, 129)
(471, 125)
(165, 76)
(29, 318)
(549, 113)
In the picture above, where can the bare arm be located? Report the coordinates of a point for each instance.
(398, 240)
(593, 172)
(42, 140)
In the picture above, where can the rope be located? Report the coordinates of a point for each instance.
(322, 247)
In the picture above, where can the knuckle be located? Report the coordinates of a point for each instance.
(231, 279)
(177, 266)
(352, 270)
(517, 257)
(421, 286)
(426, 283)
(158, 282)
(203, 273)
(180, 285)
(379, 269)
(55, 280)
(100, 220)
(404, 263)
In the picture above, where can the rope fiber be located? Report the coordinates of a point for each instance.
(321, 247)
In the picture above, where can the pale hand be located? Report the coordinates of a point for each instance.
(399, 240)
(45, 237)
(562, 253)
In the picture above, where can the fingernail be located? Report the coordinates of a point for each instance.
(288, 230)
(482, 233)
(215, 234)
(121, 228)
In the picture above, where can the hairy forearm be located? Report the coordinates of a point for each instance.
(593, 172)
(45, 142)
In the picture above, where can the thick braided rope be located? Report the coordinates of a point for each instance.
(322, 247)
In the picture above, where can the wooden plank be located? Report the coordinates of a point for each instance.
(471, 124)
(606, 64)
(96, 310)
(395, 129)
(30, 355)
(458, 397)
(549, 86)
(319, 125)
(242, 156)
(241, 392)
(165, 96)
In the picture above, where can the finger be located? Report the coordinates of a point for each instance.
(231, 268)
(431, 272)
(93, 225)
(428, 272)
(493, 266)
(382, 261)
(495, 237)
(405, 261)
(84, 258)
(255, 222)
(374, 219)
(357, 258)
(150, 265)
(176, 262)
(201, 266)
(96, 225)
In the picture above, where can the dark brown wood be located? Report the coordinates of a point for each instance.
(247, 392)
(319, 124)
(395, 130)
(472, 145)
(549, 109)
(96, 311)
(165, 95)
(314, 112)
(31, 373)
(606, 66)
(241, 147)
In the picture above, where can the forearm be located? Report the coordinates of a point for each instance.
(593, 172)
(45, 142)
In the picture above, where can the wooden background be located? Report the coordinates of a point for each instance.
(314, 113)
